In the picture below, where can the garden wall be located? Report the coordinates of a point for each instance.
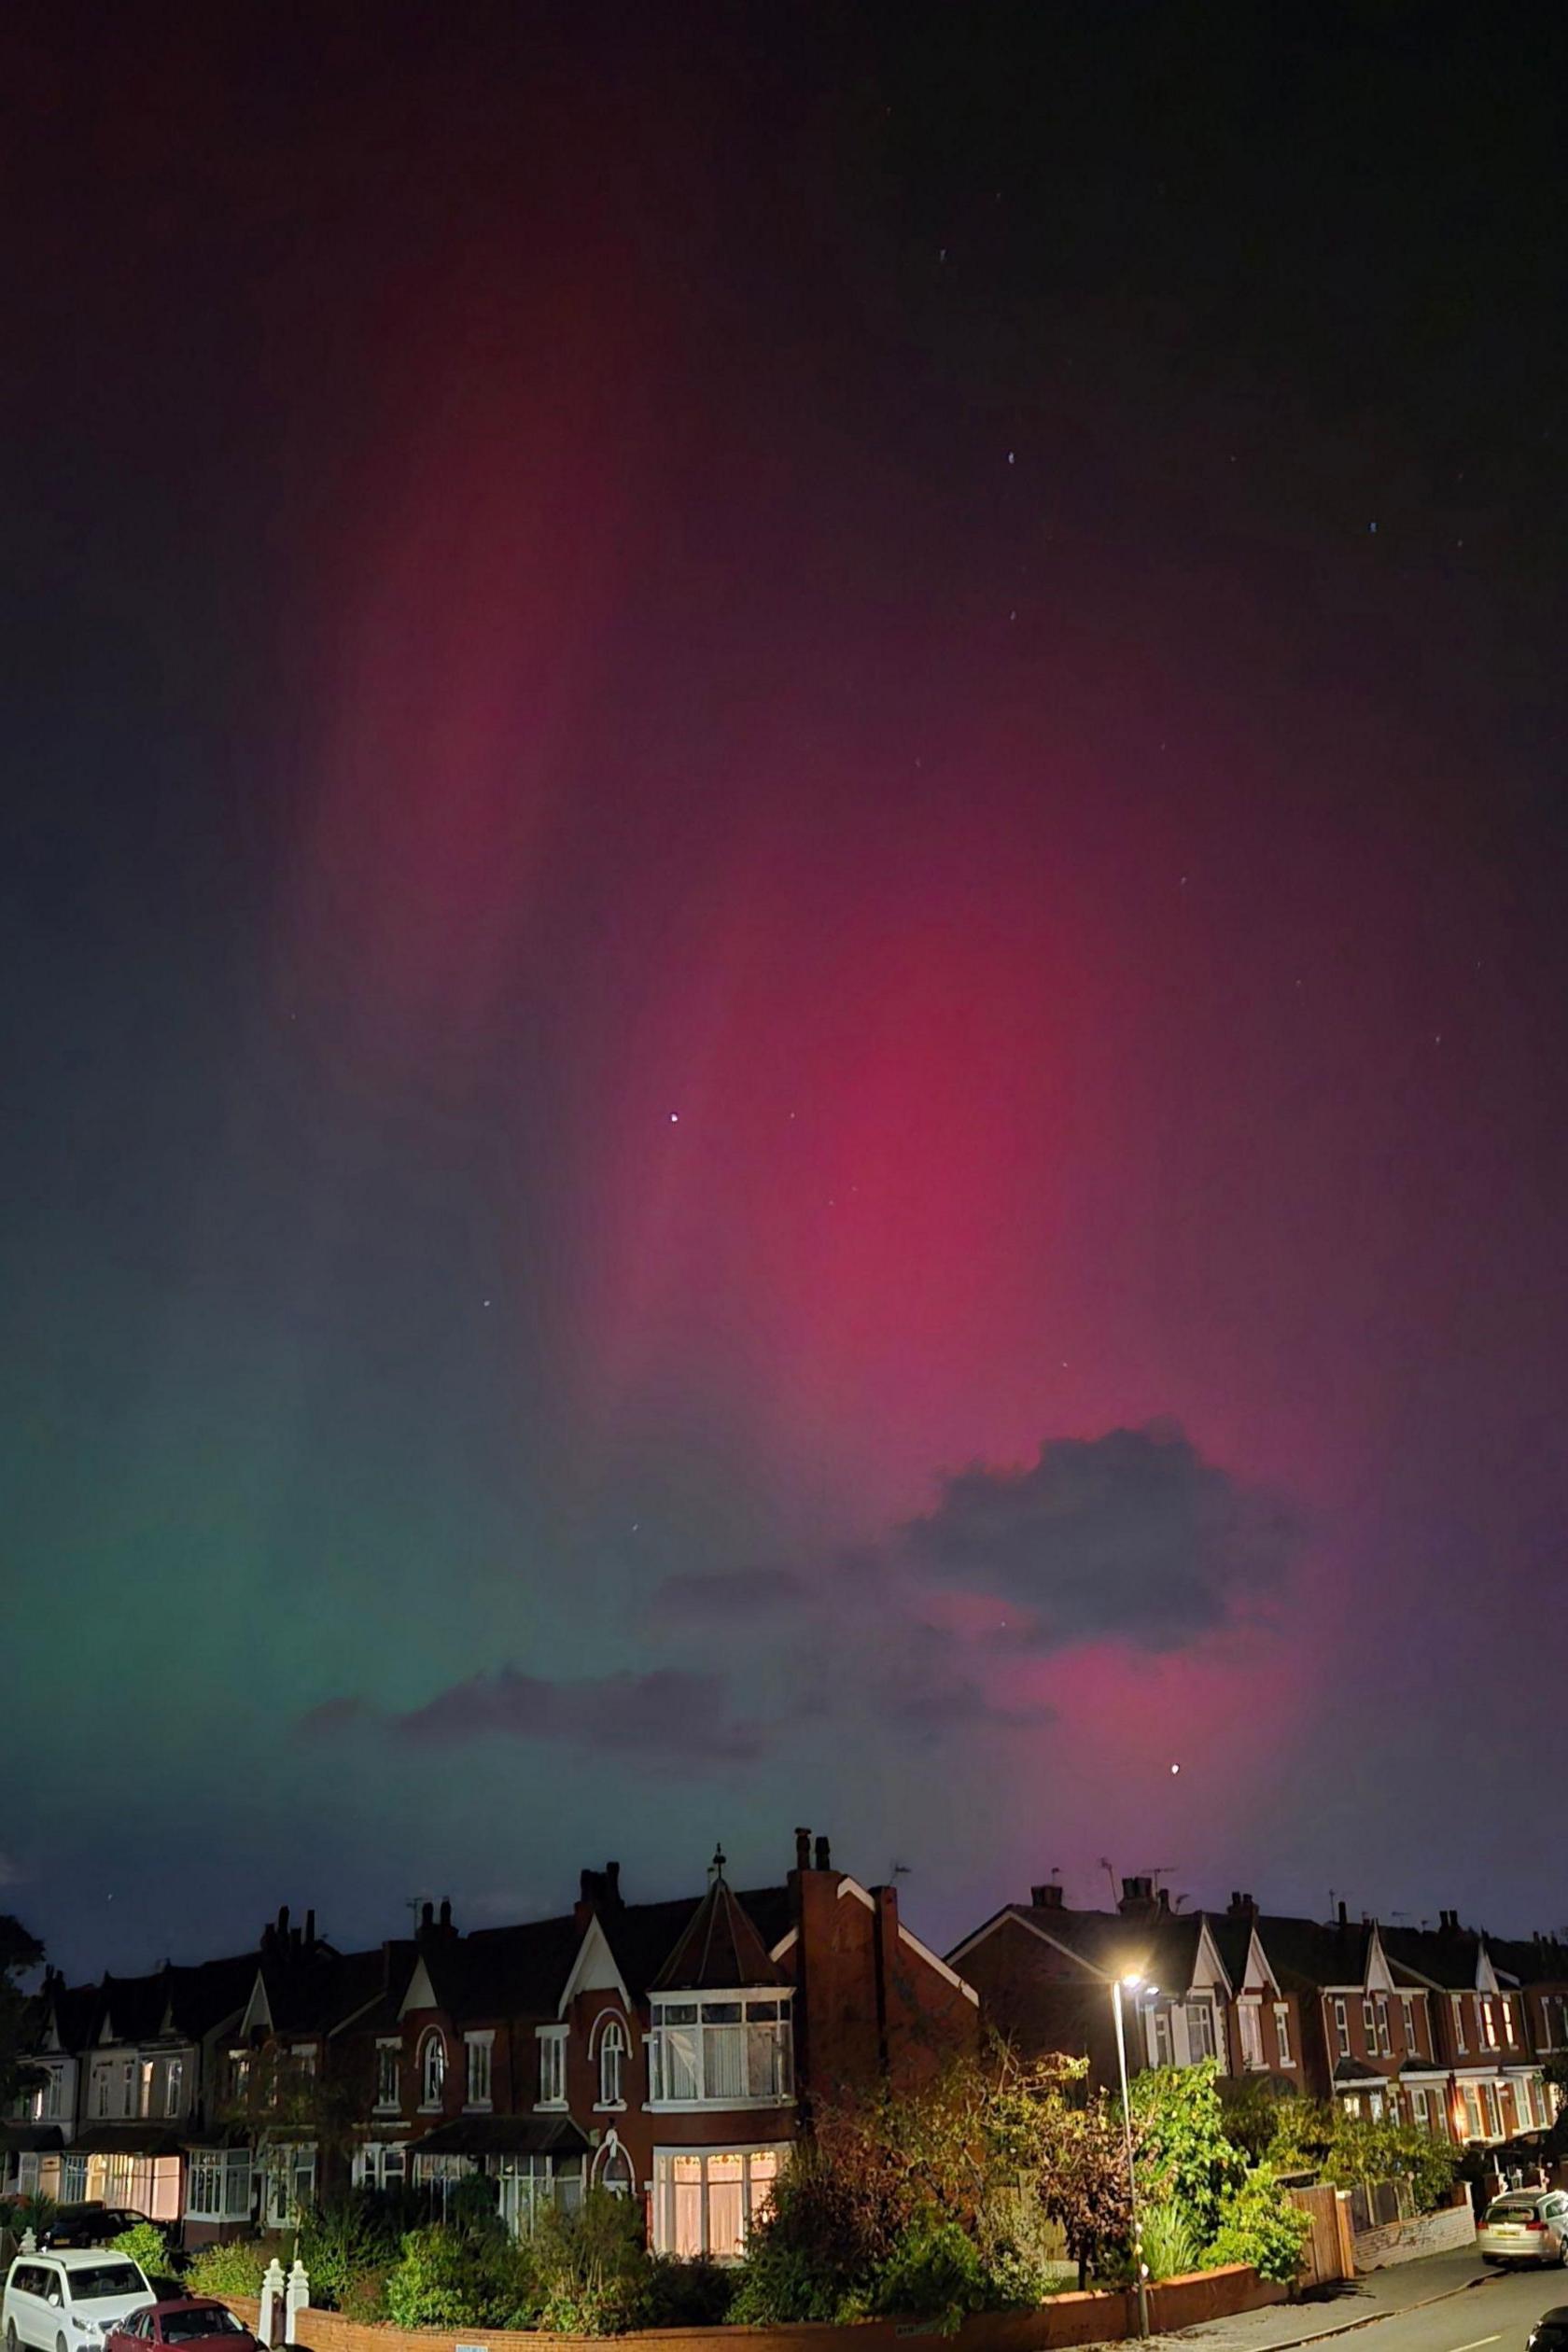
(1061, 2320)
(1440, 2233)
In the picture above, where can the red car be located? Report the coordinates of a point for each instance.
(188, 2320)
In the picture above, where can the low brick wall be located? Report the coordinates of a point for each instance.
(1443, 2233)
(1063, 2320)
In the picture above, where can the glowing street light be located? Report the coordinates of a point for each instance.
(1132, 1982)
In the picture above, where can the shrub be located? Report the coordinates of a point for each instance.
(935, 2273)
(1259, 2224)
(815, 2255)
(146, 2244)
(445, 2278)
(364, 2298)
(1348, 2151)
(338, 2242)
(1185, 2155)
(687, 2295)
(592, 2267)
(232, 2269)
(1171, 2247)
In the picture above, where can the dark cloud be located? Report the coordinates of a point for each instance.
(1131, 1537)
(334, 1715)
(668, 1713)
(700, 1598)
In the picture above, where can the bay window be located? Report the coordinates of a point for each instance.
(218, 2185)
(1202, 2040)
(529, 2185)
(706, 2202)
(721, 2050)
(381, 2165)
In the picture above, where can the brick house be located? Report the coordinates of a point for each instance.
(1538, 1965)
(1495, 2088)
(1366, 2024)
(1265, 2013)
(1045, 1972)
(663, 2051)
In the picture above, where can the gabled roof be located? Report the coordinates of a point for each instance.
(1308, 1953)
(1166, 1947)
(721, 1946)
(500, 1971)
(1454, 1959)
(1233, 1939)
(1536, 1960)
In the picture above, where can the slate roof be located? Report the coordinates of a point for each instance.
(505, 2135)
(1534, 1960)
(500, 1971)
(1233, 1941)
(1446, 1956)
(720, 1948)
(1162, 1948)
(1311, 1954)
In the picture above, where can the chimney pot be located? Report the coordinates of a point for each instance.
(612, 1881)
(310, 1930)
(824, 1861)
(282, 1919)
(1344, 1914)
(447, 1912)
(803, 1849)
(1047, 1897)
(1165, 1898)
(1235, 1899)
(428, 1917)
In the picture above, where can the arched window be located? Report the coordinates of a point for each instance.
(613, 2064)
(432, 2069)
(612, 2168)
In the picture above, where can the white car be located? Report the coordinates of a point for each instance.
(1526, 2225)
(68, 2302)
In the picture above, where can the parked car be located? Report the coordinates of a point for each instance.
(68, 2302)
(1528, 2225)
(87, 2225)
(1550, 2331)
(185, 2320)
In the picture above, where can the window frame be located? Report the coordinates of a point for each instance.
(698, 2028)
(1283, 2044)
(389, 2069)
(1342, 2025)
(614, 2043)
(432, 2061)
(479, 2051)
(552, 2041)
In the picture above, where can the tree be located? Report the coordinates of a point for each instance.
(20, 1952)
(1187, 2156)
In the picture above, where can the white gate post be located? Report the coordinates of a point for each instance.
(296, 2297)
(29, 2243)
(271, 2296)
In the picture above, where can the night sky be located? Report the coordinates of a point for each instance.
(783, 957)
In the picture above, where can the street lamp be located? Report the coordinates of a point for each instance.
(1131, 1984)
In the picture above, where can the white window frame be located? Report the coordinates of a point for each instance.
(373, 2167)
(686, 2015)
(1369, 2023)
(615, 2044)
(1159, 2026)
(1460, 2042)
(478, 2069)
(1489, 2024)
(1341, 2026)
(174, 2087)
(1282, 2034)
(1201, 2007)
(389, 2076)
(1249, 2025)
(552, 2042)
(432, 2070)
(664, 2187)
(219, 2184)
(1407, 2019)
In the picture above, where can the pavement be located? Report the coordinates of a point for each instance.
(1446, 2303)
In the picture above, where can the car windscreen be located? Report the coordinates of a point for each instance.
(187, 2327)
(94, 2281)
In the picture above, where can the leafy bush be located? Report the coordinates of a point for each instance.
(1259, 2224)
(1186, 2156)
(1256, 2109)
(1349, 2152)
(146, 2244)
(232, 2269)
(935, 2273)
(338, 2242)
(687, 2295)
(592, 2267)
(447, 2279)
(833, 2220)
(364, 2298)
(1171, 2247)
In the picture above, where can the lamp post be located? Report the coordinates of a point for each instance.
(1131, 1984)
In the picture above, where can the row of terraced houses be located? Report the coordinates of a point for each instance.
(671, 2052)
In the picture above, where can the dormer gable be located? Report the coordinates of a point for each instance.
(1486, 1975)
(593, 1970)
(421, 1993)
(1380, 1976)
(1257, 1974)
(1208, 1968)
(258, 2015)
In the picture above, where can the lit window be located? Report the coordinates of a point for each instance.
(432, 2069)
(613, 2065)
(1508, 2032)
(708, 2204)
(552, 2067)
(1282, 2032)
(1489, 2024)
(478, 2090)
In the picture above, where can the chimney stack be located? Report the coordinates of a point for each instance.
(1344, 1914)
(803, 1849)
(824, 1861)
(1047, 1897)
(1138, 1895)
(428, 1918)
(310, 1930)
(612, 1885)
